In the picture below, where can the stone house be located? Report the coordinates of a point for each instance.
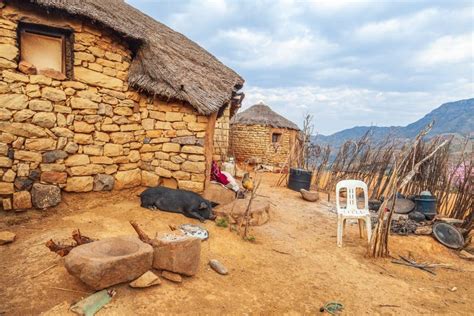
(96, 95)
(260, 135)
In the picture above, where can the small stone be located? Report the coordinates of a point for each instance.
(53, 94)
(77, 160)
(53, 74)
(44, 195)
(9, 176)
(53, 177)
(103, 182)
(218, 267)
(52, 156)
(417, 216)
(7, 237)
(79, 184)
(128, 179)
(22, 200)
(13, 101)
(6, 188)
(150, 179)
(27, 68)
(113, 150)
(146, 280)
(173, 277)
(7, 204)
(44, 119)
(23, 183)
(40, 105)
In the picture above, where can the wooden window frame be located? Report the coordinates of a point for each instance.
(65, 34)
(278, 137)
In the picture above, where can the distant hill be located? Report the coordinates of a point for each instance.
(450, 118)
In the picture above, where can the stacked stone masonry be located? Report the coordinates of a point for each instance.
(253, 143)
(91, 132)
(221, 136)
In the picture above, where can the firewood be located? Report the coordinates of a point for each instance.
(141, 234)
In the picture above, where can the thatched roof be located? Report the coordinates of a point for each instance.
(166, 63)
(261, 114)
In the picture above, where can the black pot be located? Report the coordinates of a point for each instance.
(299, 179)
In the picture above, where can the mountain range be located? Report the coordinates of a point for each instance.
(450, 118)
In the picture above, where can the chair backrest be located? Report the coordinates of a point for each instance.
(351, 188)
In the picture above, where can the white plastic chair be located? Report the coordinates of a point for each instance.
(351, 211)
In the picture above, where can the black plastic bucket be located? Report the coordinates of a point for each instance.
(299, 179)
(426, 204)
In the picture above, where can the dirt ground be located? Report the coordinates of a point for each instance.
(293, 267)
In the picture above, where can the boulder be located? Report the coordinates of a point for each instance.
(110, 261)
(103, 182)
(6, 237)
(22, 200)
(177, 253)
(218, 193)
(45, 195)
(146, 280)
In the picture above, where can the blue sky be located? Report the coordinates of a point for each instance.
(346, 62)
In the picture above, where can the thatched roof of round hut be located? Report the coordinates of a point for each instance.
(166, 64)
(261, 114)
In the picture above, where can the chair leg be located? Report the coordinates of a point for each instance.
(360, 227)
(368, 224)
(343, 226)
(339, 231)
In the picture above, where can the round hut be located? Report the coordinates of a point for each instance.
(260, 135)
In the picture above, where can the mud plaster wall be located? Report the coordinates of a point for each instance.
(79, 134)
(253, 143)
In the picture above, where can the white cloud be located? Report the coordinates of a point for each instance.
(448, 50)
(399, 27)
(256, 50)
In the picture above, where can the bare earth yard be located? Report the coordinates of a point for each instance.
(293, 267)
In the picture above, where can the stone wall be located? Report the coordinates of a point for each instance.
(253, 143)
(221, 136)
(92, 132)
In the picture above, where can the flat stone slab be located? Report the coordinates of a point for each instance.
(146, 280)
(235, 211)
(177, 253)
(110, 261)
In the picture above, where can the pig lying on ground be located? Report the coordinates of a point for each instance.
(185, 202)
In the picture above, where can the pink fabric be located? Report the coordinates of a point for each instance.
(216, 174)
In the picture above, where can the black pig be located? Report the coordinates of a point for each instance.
(185, 202)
